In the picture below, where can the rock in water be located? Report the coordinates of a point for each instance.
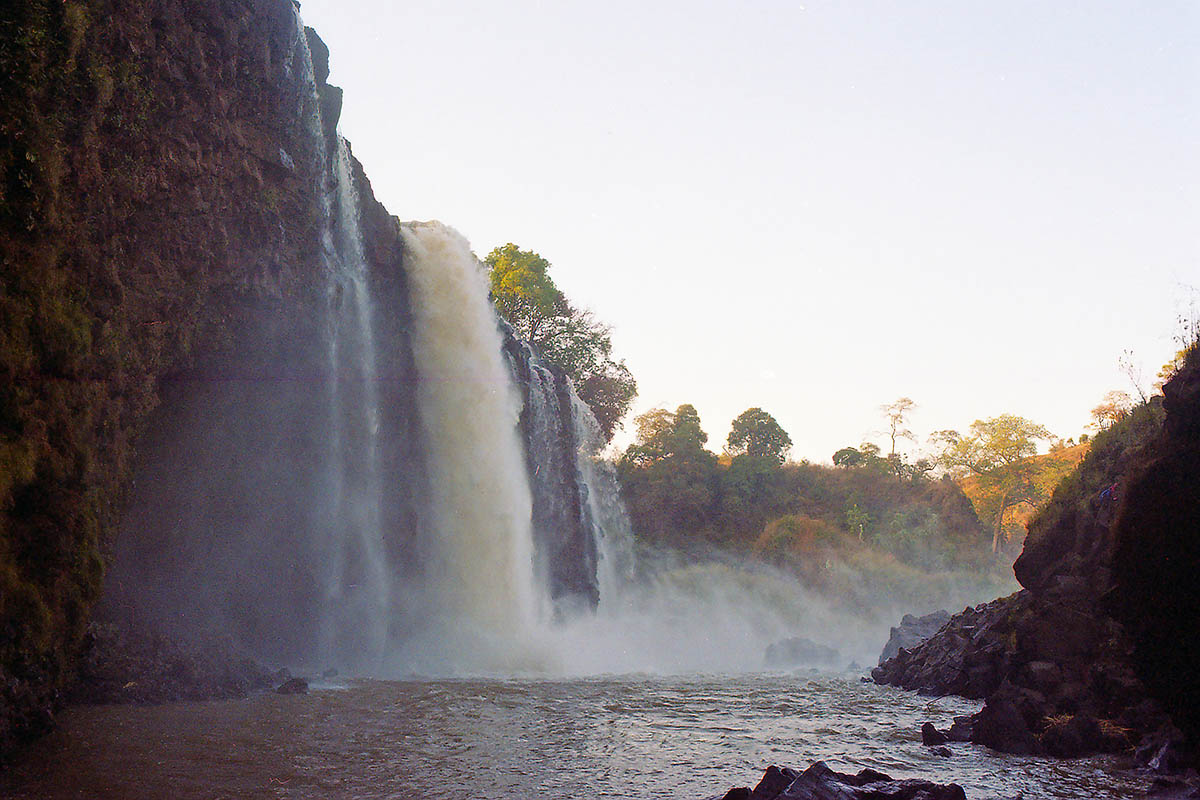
(912, 631)
(800, 652)
(819, 782)
(931, 736)
(293, 686)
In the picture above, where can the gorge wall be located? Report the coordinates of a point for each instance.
(208, 381)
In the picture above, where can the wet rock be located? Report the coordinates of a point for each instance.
(941, 751)
(799, 652)
(912, 631)
(293, 686)
(819, 782)
(931, 736)
(739, 793)
(1001, 726)
(961, 730)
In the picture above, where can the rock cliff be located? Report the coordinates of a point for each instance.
(160, 235)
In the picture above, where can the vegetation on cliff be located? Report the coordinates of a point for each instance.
(569, 338)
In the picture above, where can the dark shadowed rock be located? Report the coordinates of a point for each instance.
(819, 782)
(129, 665)
(912, 631)
(931, 736)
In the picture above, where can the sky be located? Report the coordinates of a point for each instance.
(813, 208)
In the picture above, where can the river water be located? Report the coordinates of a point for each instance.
(624, 737)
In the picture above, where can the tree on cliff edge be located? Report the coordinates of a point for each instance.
(567, 337)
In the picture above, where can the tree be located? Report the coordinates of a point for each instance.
(756, 433)
(668, 479)
(999, 451)
(568, 338)
(896, 413)
(1115, 406)
(848, 457)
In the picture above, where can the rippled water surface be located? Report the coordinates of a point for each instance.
(689, 737)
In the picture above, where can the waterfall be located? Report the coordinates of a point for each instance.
(481, 576)
(355, 581)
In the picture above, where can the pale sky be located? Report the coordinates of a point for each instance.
(816, 207)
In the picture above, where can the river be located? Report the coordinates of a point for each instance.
(620, 737)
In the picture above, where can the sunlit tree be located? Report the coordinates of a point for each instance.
(999, 451)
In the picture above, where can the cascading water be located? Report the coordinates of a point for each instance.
(481, 572)
(356, 581)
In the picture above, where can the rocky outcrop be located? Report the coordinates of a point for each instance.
(1101, 643)
(967, 656)
(912, 631)
(819, 782)
(133, 666)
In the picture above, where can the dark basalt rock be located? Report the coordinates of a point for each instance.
(819, 782)
(912, 631)
(931, 736)
(1106, 634)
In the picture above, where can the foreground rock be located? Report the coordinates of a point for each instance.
(819, 782)
(126, 666)
(912, 631)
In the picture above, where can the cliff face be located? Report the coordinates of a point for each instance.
(1096, 652)
(1157, 531)
(160, 237)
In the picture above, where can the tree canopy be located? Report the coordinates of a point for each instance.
(566, 337)
(756, 433)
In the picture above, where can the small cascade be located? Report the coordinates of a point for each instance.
(355, 579)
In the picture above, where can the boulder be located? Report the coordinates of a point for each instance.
(799, 652)
(293, 686)
(931, 736)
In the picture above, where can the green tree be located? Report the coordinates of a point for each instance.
(1000, 452)
(668, 479)
(848, 457)
(756, 433)
(568, 338)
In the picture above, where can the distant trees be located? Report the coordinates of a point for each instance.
(756, 433)
(569, 338)
(999, 451)
(1115, 406)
